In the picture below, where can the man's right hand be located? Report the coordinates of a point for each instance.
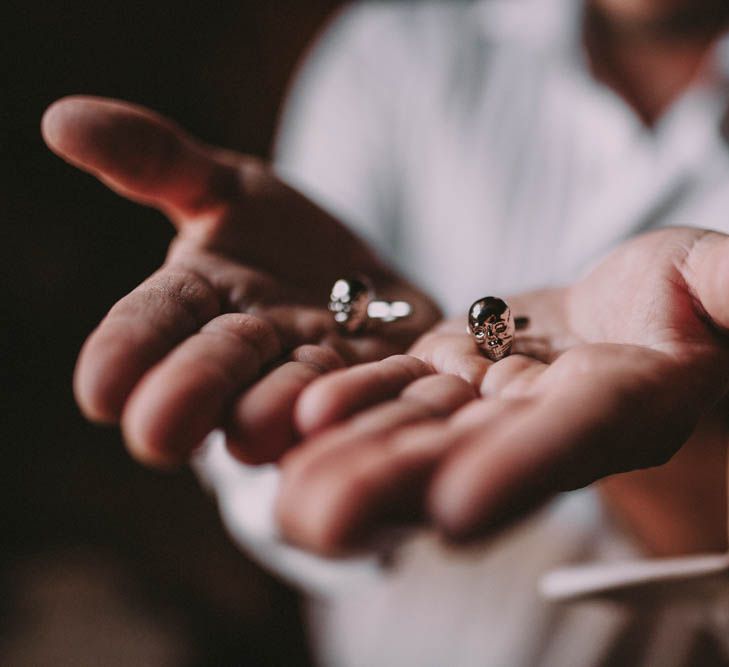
(614, 374)
(234, 325)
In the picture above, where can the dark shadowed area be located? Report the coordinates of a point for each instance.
(103, 562)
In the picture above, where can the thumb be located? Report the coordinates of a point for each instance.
(151, 160)
(708, 276)
(139, 154)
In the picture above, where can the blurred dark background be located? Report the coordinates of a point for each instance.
(103, 562)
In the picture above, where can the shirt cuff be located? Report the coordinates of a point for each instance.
(246, 495)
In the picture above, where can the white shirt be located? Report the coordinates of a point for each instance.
(469, 143)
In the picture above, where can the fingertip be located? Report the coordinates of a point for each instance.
(148, 444)
(259, 448)
(262, 424)
(712, 280)
(448, 506)
(151, 457)
(462, 517)
(473, 496)
(318, 405)
(131, 149)
(95, 394)
(305, 520)
(157, 433)
(319, 505)
(65, 115)
(92, 407)
(469, 493)
(51, 122)
(55, 117)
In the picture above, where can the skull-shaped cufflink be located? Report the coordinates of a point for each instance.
(492, 326)
(353, 305)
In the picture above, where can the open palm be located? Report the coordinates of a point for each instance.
(613, 374)
(234, 325)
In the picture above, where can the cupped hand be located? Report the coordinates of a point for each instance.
(234, 325)
(613, 374)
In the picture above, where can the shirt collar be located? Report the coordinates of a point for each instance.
(544, 25)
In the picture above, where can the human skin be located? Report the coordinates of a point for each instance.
(651, 12)
(649, 51)
(230, 332)
(614, 374)
(188, 351)
(234, 324)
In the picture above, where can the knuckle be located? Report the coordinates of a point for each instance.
(256, 176)
(323, 359)
(186, 291)
(148, 448)
(412, 366)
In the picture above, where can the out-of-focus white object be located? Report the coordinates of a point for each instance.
(632, 576)
(246, 497)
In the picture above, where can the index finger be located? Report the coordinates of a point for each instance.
(139, 330)
(139, 154)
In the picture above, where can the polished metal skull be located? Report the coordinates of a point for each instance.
(491, 325)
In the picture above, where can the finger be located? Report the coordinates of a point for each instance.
(261, 426)
(184, 397)
(428, 397)
(511, 376)
(706, 271)
(345, 392)
(597, 411)
(240, 288)
(139, 154)
(138, 331)
(493, 477)
(453, 353)
(226, 202)
(336, 492)
(478, 416)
